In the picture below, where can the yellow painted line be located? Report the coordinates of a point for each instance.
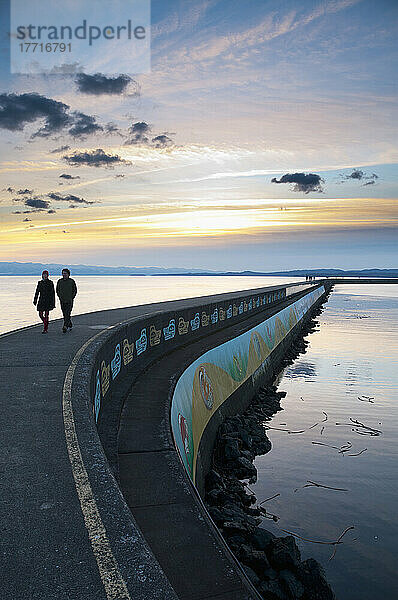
(114, 584)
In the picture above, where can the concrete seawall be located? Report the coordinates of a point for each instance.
(69, 529)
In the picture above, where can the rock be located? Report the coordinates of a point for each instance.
(251, 575)
(245, 470)
(231, 450)
(234, 527)
(272, 590)
(269, 574)
(245, 437)
(312, 576)
(236, 539)
(256, 559)
(284, 553)
(214, 480)
(291, 584)
(216, 515)
(247, 454)
(262, 538)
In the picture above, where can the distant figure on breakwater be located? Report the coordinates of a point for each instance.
(44, 299)
(66, 292)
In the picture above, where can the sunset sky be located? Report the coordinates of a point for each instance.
(265, 137)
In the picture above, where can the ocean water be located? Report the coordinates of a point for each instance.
(349, 373)
(101, 293)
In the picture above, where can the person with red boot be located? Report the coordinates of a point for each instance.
(44, 299)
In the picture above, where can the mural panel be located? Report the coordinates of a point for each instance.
(214, 376)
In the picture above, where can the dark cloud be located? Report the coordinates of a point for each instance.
(26, 220)
(356, 174)
(60, 149)
(302, 182)
(359, 175)
(51, 211)
(162, 141)
(25, 192)
(112, 128)
(100, 84)
(68, 198)
(138, 133)
(66, 176)
(10, 190)
(18, 110)
(84, 125)
(141, 133)
(94, 158)
(37, 203)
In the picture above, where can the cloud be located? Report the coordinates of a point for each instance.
(302, 182)
(94, 158)
(112, 128)
(24, 192)
(37, 203)
(66, 176)
(9, 190)
(99, 84)
(18, 110)
(60, 149)
(84, 125)
(68, 198)
(356, 174)
(139, 133)
(359, 175)
(26, 220)
(162, 141)
(51, 211)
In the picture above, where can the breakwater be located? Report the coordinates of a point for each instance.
(115, 376)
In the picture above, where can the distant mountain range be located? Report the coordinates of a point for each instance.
(17, 268)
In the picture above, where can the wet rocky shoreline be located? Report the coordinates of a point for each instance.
(273, 564)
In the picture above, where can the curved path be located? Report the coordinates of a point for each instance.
(56, 543)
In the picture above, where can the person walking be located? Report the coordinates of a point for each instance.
(66, 292)
(44, 299)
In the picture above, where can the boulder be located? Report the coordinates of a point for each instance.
(245, 470)
(284, 553)
(262, 538)
(291, 584)
(312, 576)
(272, 590)
(214, 480)
(255, 559)
(251, 575)
(231, 449)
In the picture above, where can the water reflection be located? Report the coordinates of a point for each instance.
(301, 368)
(349, 373)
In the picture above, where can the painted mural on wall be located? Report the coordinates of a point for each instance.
(213, 377)
(126, 350)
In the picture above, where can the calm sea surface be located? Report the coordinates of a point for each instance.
(352, 359)
(349, 372)
(101, 293)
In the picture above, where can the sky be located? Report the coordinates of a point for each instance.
(263, 137)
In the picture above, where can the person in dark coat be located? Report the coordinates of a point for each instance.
(44, 299)
(66, 292)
